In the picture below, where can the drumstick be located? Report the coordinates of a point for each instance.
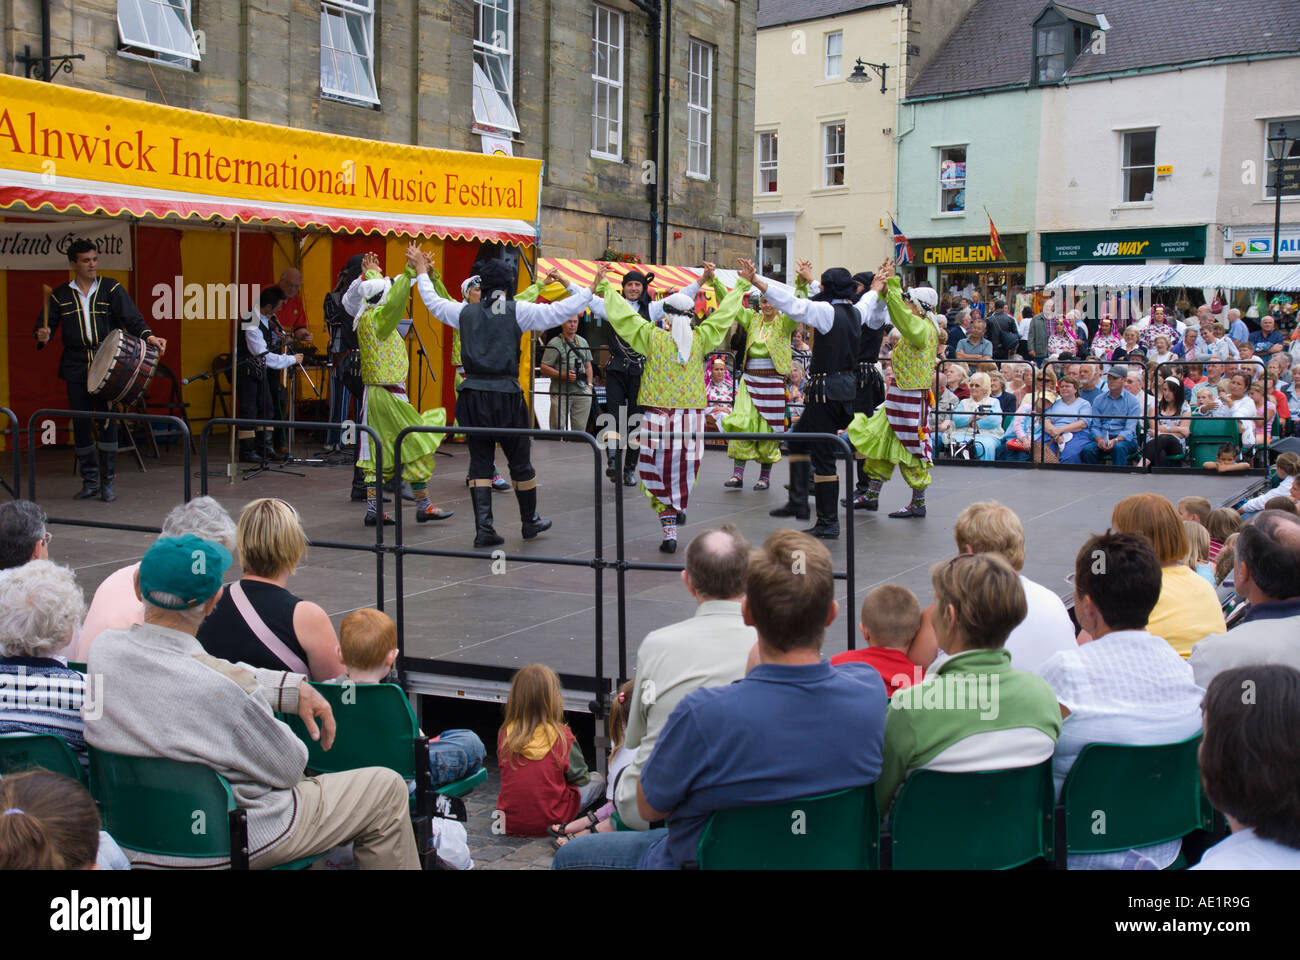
(48, 292)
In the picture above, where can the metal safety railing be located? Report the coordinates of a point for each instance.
(1032, 420)
(11, 431)
(377, 547)
(42, 418)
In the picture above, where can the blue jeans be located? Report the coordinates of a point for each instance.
(1006, 453)
(455, 755)
(1123, 451)
(606, 851)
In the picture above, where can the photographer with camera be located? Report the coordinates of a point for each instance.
(567, 361)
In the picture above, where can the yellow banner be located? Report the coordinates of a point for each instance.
(60, 132)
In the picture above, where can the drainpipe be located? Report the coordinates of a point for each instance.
(652, 10)
(668, 118)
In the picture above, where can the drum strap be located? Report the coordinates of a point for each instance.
(255, 623)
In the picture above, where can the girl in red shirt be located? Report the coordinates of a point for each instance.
(544, 777)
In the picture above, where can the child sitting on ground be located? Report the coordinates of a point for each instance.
(1222, 524)
(601, 821)
(544, 777)
(1227, 461)
(368, 648)
(1198, 551)
(890, 622)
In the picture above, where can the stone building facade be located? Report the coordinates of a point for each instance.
(262, 60)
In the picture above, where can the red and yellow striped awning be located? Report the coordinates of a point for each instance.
(666, 279)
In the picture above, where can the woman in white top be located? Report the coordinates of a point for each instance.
(977, 420)
(1248, 761)
(1243, 408)
(1163, 353)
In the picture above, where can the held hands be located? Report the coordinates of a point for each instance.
(369, 262)
(599, 278)
(804, 269)
(553, 276)
(707, 275)
(415, 258)
(884, 273)
(750, 274)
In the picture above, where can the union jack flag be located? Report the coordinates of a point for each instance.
(902, 249)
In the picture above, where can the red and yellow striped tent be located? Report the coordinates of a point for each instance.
(666, 280)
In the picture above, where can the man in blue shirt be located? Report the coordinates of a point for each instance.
(1113, 432)
(793, 727)
(1268, 340)
(1090, 383)
(1237, 329)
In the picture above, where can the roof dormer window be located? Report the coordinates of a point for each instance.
(1060, 34)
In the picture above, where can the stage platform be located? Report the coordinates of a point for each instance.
(468, 627)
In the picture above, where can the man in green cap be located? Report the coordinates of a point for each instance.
(154, 675)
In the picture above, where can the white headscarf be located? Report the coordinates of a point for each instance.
(681, 328)
(371, 286)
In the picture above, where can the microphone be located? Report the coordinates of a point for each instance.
(205, 375)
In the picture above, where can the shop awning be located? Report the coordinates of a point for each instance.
(1228, 276)
(1115, 275)
(68, 150)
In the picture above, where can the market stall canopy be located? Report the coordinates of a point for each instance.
(70, 150)
(666, 280)
(1227, 276)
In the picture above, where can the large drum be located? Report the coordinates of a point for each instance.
(123, 366)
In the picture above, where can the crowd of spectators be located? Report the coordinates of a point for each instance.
(733, 707)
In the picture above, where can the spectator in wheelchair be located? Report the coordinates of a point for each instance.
(1248, 759)
(1124, 686)
(976, 423)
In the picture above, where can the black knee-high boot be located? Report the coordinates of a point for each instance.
(797, 505)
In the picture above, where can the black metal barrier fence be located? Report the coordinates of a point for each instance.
(46, 413)
(377, 449)
(11, 431)
(598, 563)
(1037, 418)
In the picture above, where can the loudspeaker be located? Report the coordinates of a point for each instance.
(1285, 445)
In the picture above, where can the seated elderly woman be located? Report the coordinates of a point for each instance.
(719, 394)
(40, 607)
(258, 621)
(1130, 345)
(1188, 609)
(947, 722)
(116, 605)
(976, 421)
(23, 536)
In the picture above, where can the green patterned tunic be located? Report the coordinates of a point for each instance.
(667, 383)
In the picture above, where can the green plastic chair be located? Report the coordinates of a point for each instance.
(834, 831)
(1118, 797)
(376, 727)
(990, 820)
(164, 807)
(1208, 434)
(77, 665)
(39, 751)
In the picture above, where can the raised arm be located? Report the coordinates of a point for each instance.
(627, 323)
(443, 308)
(820, 316)
(713, 328)
(912, 327)
(394, 305)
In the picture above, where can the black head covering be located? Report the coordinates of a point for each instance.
(495, 275)
(351, 270)
(837, 284)
(865, 278)
(636, 275)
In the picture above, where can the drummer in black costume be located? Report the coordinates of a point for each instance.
(88, 308)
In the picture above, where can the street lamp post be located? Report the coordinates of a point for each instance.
(1278, 148)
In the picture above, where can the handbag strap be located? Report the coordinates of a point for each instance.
(263, 632)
